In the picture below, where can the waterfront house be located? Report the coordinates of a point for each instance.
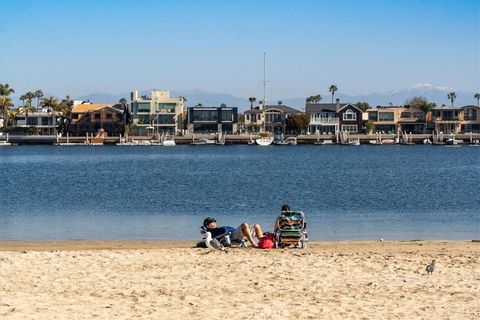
(447, 120)
(350, 118)
(156, 114)
(330, 118)
(471, 119)
(393, 119)
(89, 118)
(274, 120)
(41, 121)
(212, 119)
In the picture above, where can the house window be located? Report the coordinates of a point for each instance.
(143, 106)
(96, 116)
(405, 115)
(247, 117)
(385, 116)
(418, 115)
(45, 121)
(108, 116)
(373, 116)
(32, 121)
(353, 128)
(350, 115)
(471, 114)
(227, 115)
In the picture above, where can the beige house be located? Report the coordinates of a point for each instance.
(156, 114)
(457, 120)
(272, 118)
(393, 119)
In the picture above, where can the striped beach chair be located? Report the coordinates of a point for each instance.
(291, 230)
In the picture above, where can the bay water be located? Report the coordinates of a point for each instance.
(346, 193)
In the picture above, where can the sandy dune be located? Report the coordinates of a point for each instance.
(171, 280)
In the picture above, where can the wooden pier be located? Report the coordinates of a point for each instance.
(467, 138)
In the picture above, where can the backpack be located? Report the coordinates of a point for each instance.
(267, 241)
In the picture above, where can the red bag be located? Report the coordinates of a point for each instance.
(267, 242)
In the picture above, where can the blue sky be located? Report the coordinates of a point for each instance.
(81, 47)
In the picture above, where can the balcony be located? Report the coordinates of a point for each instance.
(323, 121)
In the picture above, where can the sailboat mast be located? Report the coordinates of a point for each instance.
(264, 102)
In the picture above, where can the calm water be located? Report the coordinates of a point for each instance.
(366, 192)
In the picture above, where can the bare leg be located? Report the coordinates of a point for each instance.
(246, 233)
(258, 231)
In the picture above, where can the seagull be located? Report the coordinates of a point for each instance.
(431, 267)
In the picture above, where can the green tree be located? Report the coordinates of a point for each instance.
(5, 104)
(279, 102)
(297, 123)
(477, 97)
(451, 96)
(333, 88)
(38, 94)
(314, 99)
(252, 101)
(5, 90)
(369, 126)
(364, 106)
(50, 102)
(29, 97)
(122, 101)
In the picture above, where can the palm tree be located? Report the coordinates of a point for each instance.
(5, 90)
(5, 104)
(252, 100)
(477, 96)
(333, 88)
(51, 103)
(23, 98)
(38, 94)
(451, 96)
(314, 99)
(29, 97)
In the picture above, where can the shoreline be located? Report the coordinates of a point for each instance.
(73, 245)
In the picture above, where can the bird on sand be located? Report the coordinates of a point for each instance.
(431, 267)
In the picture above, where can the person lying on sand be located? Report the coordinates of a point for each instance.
(236, 235)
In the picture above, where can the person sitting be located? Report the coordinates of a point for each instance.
(236, 235)
(285, 207)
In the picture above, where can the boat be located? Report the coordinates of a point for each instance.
(265, 139)
(5, 143)
(427, 142)
(453, 142)
(204, 142)
(168, 141)
(388, 141)
(279, 140)
(324, 142)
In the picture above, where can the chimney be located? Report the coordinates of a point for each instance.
(134, 95)
(337, 104)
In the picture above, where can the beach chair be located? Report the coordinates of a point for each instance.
(219, 242)
(291, 230)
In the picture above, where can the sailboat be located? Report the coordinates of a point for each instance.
(265, 138)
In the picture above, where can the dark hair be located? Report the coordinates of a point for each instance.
(285, 207)
(208, 220)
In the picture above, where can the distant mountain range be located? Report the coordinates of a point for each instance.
(397, 97)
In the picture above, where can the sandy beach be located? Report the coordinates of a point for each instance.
(172, 280)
